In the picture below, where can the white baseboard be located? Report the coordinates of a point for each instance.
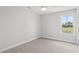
(52, 38)
(20, 43)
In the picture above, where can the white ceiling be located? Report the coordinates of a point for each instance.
(51, 9)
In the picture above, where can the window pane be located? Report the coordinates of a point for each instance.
(67, 24)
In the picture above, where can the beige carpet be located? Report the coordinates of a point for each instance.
(43, 45)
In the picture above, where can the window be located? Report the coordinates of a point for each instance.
(67, 24)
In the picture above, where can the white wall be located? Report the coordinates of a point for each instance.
(17, 24)
(77, 24)
(51, 26)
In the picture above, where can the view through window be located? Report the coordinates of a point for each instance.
(67, 24)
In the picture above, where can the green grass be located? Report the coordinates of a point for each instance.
(67, 30)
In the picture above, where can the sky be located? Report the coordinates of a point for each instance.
(65, 19)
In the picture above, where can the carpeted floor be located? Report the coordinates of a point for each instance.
(43, 45)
